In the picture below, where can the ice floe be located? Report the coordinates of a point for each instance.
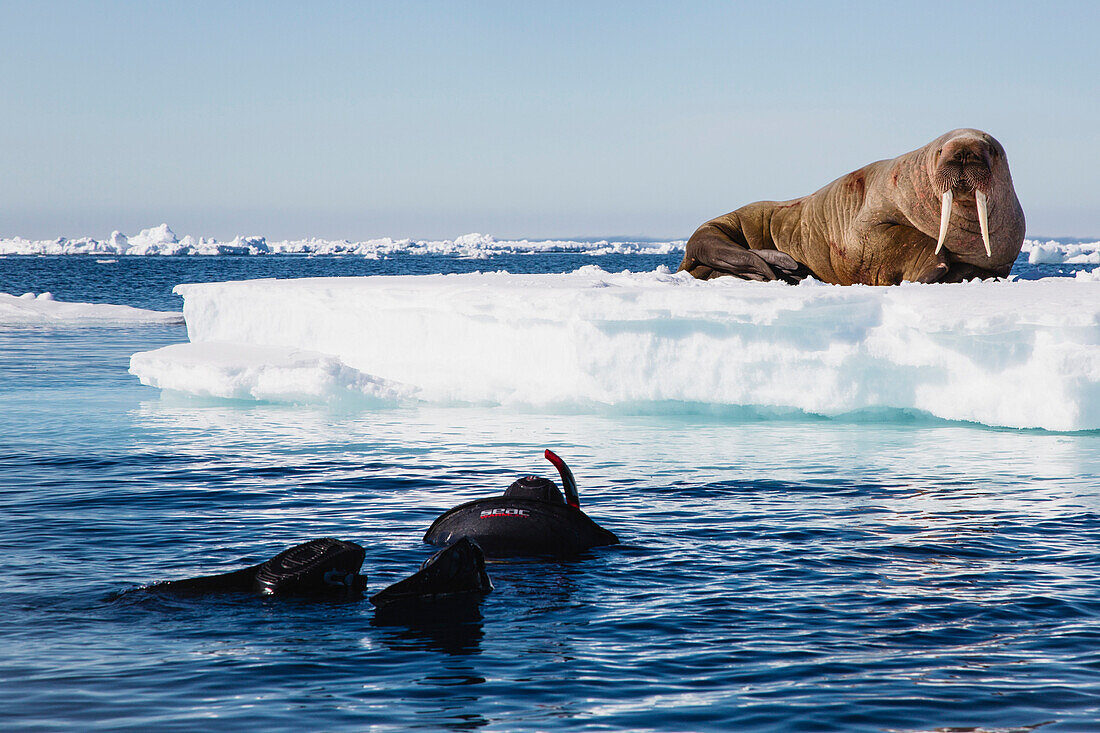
(44, 309)
(1018, 354)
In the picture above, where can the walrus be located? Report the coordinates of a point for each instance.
(945, 212)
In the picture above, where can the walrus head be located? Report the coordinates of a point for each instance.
(965, 162)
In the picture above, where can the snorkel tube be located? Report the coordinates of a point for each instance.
(568, 482)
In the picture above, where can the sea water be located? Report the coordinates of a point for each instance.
(778, 570)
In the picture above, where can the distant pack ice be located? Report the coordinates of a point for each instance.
(161, 240)
(1017, 354)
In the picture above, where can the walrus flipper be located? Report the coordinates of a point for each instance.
(961, 272)
(716, 251)
(933, 274)
(787, 268)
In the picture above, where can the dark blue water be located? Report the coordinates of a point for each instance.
(789, 574)
(147, 282)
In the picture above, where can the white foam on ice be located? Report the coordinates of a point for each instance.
(270, 374)
(44, 309)
(1017, 354)
(161, 240)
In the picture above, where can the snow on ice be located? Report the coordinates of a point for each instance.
(1018, 354)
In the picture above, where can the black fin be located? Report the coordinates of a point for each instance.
(323, 566)
(457, 571)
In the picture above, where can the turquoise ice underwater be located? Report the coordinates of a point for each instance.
(883, 570)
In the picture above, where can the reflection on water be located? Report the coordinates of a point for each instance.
(456, 638)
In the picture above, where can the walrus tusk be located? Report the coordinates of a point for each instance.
(983, 219)
(945, 216)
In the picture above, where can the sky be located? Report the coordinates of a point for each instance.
(555, 119)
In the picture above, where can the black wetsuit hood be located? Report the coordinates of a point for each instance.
(532, 518)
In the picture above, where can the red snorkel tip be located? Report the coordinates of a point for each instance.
(567, 480)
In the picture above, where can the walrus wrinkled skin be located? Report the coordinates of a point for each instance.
(879, 225)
